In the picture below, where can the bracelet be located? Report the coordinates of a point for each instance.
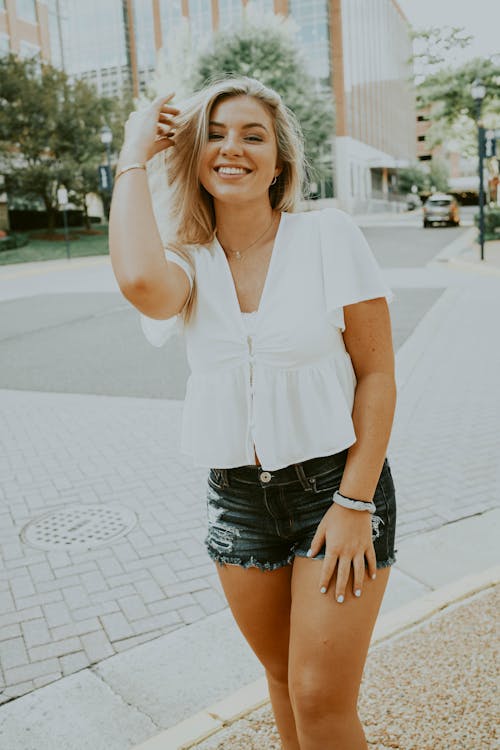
(136, 165)
(348, 502)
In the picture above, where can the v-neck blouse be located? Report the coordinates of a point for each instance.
(279, 380)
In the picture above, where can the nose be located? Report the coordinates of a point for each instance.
(230, 144)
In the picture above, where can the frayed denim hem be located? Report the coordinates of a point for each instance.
(386, 563)
(252, 561)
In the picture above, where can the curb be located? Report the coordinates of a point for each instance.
(455, 248)
(211, 720)
(476, 266)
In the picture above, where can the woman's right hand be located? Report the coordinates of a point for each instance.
(149, 131)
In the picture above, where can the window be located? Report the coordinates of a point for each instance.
(4, 45)
(26, 9)
(27, 50)
(421, 137)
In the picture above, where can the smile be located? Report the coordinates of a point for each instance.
(231, 171)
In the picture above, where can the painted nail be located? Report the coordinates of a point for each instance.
(323, 589)
(309, 552)
(340, 599)
(357, 592)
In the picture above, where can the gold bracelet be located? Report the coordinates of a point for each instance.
(136, 165)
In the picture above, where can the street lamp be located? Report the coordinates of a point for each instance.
(478, 92)
(106, 140)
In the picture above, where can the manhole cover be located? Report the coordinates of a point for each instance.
(79, 527)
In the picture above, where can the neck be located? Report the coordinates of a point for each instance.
(238, 225)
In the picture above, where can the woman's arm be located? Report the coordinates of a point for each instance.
(157, 288)
(368, 340)
(347, 533)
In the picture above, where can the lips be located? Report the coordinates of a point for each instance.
(237, 169)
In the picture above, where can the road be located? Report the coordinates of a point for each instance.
(90, 342)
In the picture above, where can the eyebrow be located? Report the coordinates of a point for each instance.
(244, 127)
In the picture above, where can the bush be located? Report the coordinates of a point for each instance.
(12, 241)
(491, 223)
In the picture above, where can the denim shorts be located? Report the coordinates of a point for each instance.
(264, 518)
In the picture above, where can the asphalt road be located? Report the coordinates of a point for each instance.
(92, 343)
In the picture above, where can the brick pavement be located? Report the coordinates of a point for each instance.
(63, 611)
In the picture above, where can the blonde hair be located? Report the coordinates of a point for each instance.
(191, 211)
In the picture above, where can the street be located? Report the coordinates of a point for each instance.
(90, 342)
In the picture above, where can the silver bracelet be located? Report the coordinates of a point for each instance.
(348, 502)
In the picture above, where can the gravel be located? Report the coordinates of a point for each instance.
(432, 688)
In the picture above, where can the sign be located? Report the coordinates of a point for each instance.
(490, 144)
(62, 196)
(105, 178)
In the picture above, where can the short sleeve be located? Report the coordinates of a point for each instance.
(157, 332)
(350, 270)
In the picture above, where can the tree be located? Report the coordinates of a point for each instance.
(444, 85)
(450, 89)
(436, 177)
(49, 132)
(266, 50)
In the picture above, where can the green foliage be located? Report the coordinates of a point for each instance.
(491, 223)
(439, 174)
(268, 53)
(50, 132)
(450, 88)
(436, 177)
(435, 46)
(410, 176)
(13, 241)
(444, 84)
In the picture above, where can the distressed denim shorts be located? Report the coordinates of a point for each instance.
(264, 518)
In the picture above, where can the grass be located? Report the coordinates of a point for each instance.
(81, 245)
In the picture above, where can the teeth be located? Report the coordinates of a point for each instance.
(232, 170)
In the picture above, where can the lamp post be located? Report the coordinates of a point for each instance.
(106, 140)
(478, 92)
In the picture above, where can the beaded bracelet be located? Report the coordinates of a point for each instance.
(348, 502)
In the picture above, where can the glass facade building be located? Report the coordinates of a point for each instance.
(356, 51)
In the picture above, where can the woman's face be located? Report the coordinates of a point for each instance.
(239, 160)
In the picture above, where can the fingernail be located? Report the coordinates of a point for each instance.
(309, 553)
(340, 599)
(374, 576)
(357, 592)
(323, 589)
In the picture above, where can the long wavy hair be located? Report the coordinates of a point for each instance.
(191, 219)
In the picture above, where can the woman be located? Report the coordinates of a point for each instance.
(291, 396)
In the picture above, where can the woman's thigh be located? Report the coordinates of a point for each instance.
(329, 641)
(260, 602)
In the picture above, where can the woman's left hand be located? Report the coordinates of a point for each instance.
(347, 535)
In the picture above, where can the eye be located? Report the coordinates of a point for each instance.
(254, 138)
(211, 136)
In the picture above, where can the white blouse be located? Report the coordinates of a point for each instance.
(286, 385)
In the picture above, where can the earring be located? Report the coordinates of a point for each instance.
(274, 181)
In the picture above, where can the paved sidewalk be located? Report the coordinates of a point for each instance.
(439, 692)
(63, 613)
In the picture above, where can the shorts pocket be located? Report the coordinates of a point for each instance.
(327, 481)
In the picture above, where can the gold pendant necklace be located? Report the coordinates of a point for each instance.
(239, 253)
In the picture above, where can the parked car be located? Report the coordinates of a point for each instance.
(441, 208)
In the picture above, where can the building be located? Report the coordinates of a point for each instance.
(30, 28)
(357, 51)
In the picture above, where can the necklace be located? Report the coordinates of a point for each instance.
(239, 253)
